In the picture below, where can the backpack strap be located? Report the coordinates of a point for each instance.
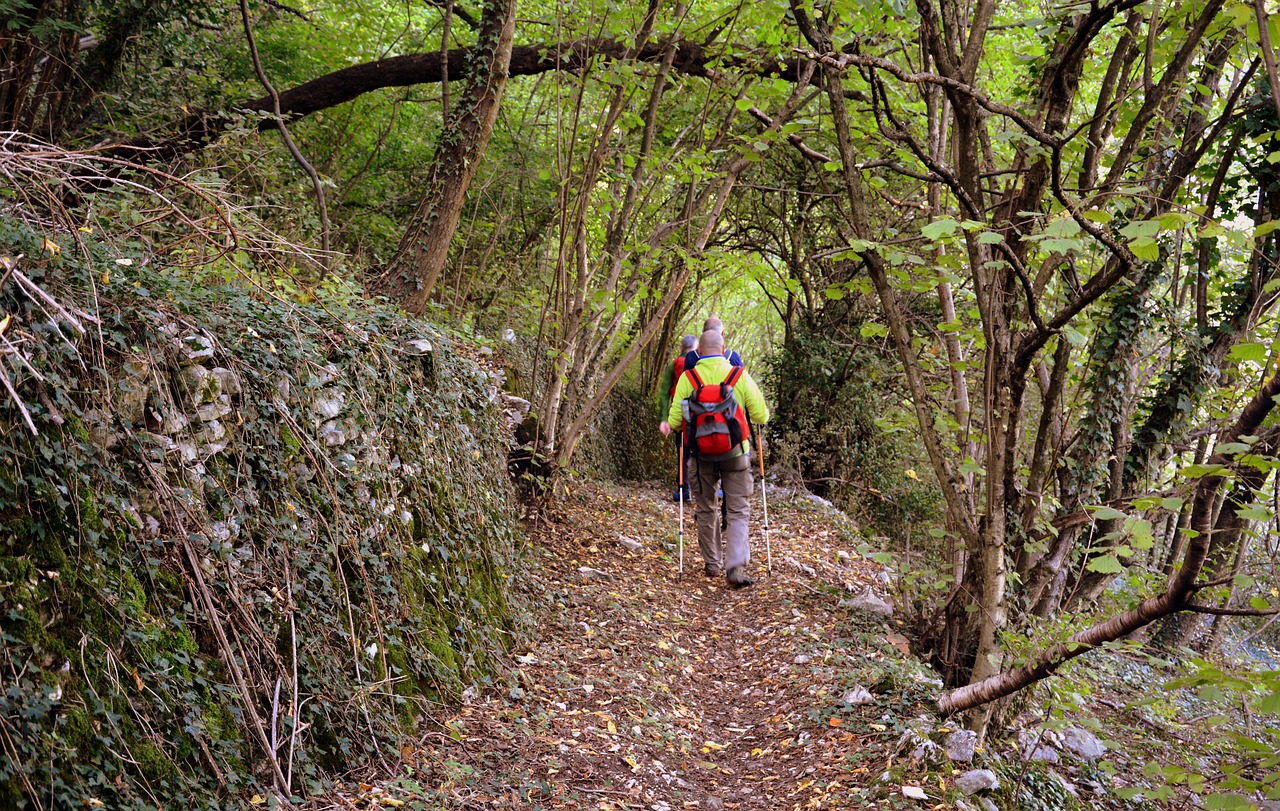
(732, 379)
(692, 374)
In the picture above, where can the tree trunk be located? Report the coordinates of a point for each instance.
(411, 274)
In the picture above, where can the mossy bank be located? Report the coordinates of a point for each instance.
(252, 541)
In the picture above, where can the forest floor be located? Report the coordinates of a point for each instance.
(647, 690)
(641, 689)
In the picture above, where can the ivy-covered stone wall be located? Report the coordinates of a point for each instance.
(252, 541)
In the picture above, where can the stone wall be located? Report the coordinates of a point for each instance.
(251, 543)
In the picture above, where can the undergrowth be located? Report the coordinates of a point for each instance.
(356, 583)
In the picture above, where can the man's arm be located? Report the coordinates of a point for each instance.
(752, 400)
(664, 396)
(675, 414)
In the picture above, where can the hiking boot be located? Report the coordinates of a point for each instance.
(712, 570)
(738, 578)
(687, 493)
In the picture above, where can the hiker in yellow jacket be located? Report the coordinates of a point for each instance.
(733, 471)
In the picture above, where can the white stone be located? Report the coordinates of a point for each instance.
(196, 348)
(171, 421)
(328, 374)
(630, 543)
(857, 696)
(1082, 743)
(914, 793)
(419, 346)
(960, 745)
(228, 380)
(803, 659)
(869, 603)
(975, 780)
(332, 435)
(216, 410)
(195, 382)
(186, 451)
(329, 404)
(213, 431)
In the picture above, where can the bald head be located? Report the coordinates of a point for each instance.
(711, 343)
(713, 323)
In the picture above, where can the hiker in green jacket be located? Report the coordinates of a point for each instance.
(720, 444)
(667, 387)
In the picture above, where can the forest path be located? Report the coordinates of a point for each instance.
(645, 690)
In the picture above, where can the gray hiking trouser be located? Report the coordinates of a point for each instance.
(733, 550)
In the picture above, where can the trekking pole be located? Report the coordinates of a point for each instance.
(768, 551)
(680, 479)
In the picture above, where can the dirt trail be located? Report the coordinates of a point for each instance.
(647, 691)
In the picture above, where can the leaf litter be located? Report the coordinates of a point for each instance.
(643, 689)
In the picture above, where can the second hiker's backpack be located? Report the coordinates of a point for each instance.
(714, 424)
(678, 368)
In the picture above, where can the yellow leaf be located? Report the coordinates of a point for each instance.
(613, 730)
(4, 325)
(392, 801)
(52, 247)
(632, 762)
(911, 474)
(106, 277)
(757, 752)
(258, 799)
(94, 802)
(713, 745)
(877, 727)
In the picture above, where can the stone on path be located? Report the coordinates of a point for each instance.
(858, 696)
(960, 745)
(975, 780)
(1082, 743)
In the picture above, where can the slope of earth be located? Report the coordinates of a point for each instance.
(650, 690)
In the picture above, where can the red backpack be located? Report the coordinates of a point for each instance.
(679, 370)
(714, 424)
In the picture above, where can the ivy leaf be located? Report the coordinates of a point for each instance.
(1270, 704)
(1199, 471)
(939, 229)
(1140, 229)
(1254, 513)
(1145, 248)
(1141, 535)
(1075, 336)
(1106, 513)
(871, 330)
(1251, 350)
(1106, 564)
(1231, 448)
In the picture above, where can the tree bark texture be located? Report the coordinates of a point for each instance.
(411, 274)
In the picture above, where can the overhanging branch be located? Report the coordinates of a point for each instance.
(341, 86)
